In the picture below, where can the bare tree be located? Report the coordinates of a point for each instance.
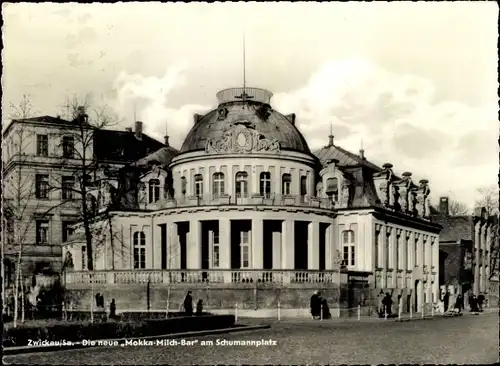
(457, 208)
(18, 191)
(488, 198)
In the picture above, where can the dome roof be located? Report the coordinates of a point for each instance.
(251, 107)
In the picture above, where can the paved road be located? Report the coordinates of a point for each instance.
(458, 340)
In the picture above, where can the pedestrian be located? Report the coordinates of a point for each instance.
(480, 301)
(459, 304)
(474, 304)
(112, 309)
(446, 301)
(188, 304)
(199, 307)
(325, 309)
(387, 302)
(315, 301)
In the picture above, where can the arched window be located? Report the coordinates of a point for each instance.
(198, 185)
(218, 185)
(265, 184)
(303, 185)
(286, 184)
(183, 185)
(348, 247)
(242, 184)
(139, 250)
(154, 190)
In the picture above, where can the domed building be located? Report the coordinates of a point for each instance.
(244, 213)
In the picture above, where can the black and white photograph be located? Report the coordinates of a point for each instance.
(238, 183)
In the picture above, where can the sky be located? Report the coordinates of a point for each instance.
(415, 84)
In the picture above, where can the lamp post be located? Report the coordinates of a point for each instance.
(337, 263)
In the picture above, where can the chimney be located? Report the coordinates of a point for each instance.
(167, 137)
(362, 154)
(443, 206)
(128, 129)
(330, 140)
(138, 130)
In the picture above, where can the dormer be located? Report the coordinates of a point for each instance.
(334, 184)
(152, 187)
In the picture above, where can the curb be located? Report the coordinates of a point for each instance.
(78, 345)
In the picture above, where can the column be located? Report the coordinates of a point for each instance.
(329, 249)
(383, 253)
(156, 247)
(193, 246)
(206, 183)
(257, 244)
(277, 250)
(225, 247)
(477, 259)
(411, 251)
(313, 246)
(173, 247)
(254, 178)
(288, 244)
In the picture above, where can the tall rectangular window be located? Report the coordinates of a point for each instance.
(377, 249)
(348, 247)
(67, 230)
(139, 241)
(245, 249)
(303, 185)
(265, 184)
(68, 147)
(415, 256)
(286, 184)
(42, 231)
(198, 185)
(216, 250)
(387, 249)
(42, 145)
(218, 185)
(42, 186)
(398, 248)
(68, 184)
(84, 258)
(242, 185)
(407, 253)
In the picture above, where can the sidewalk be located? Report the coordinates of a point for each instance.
(362, 319)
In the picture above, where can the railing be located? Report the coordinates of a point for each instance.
(244, 200)
(203, 276)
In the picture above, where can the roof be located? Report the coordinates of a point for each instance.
(455, 228)
(123, 146)
(344, 157)
(164, 156)
(265, 120)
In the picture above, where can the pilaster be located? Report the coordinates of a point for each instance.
(257, 244)
(288, 244)
(173, 247)
(193, 247)
(156, 247)
(313, 246)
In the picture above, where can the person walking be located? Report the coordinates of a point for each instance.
(188, 304)
(480, 301)
(459, 304)
(387, 305)
(315, 304)
(446, 301)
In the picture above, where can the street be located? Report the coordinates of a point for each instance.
(458, 340)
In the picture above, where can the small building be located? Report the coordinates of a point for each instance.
(245, 213)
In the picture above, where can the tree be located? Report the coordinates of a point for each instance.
(457, 208)
(19, 188)
(488, 198)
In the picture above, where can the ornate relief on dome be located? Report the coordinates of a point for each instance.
(241, 139)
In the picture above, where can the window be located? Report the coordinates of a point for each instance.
(245, 249)
(198, 185)
(332, 188)
(68, 147)
(216, 250)
(377, 248)
(431, 253)
(303, 185)
(67, 230)
(68, 184)
(42, 186)
(415, 257)
(387, 248)
(398, 248)
(218, 185)
(139, 250)
(241, 184)
(407, 252)
(348, 245)
(154, 190)
(424, 244)
(286, 184)
(42, 232)
(84, 258)
(183, 185)
(265, 184)
(42, 145)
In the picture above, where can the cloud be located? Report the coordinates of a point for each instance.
(149, 96)
(398, 117)
(400, 120)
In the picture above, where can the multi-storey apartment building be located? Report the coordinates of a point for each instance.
(42, 157)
